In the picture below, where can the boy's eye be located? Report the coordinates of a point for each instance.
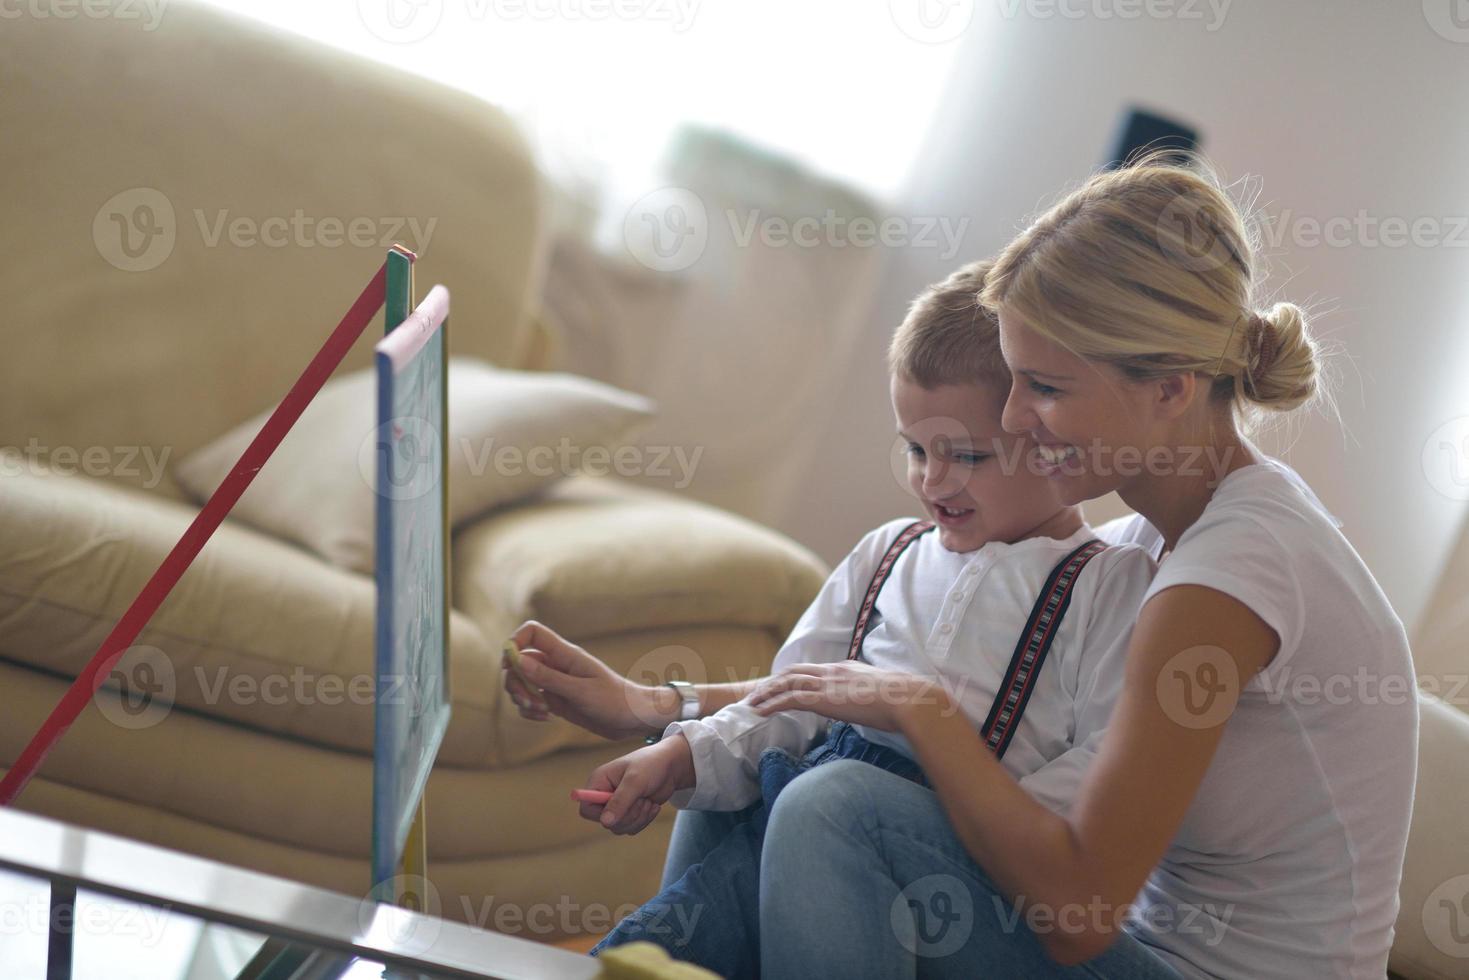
(1041, 389)
(963, 459)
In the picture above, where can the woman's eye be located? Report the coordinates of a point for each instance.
(914, 449)
(970, 459)
(1041, 389)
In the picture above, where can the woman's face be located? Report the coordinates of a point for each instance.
(1093, 428)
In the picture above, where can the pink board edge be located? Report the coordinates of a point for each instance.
(410, 336)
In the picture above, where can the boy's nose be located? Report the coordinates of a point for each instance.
(938, 476)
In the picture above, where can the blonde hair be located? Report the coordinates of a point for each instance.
(948, 336)
(1150, 268)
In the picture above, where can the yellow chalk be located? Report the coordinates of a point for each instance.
(511, 654)
(643, 960)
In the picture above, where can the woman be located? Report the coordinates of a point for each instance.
(1247, 811)
(1253, 789)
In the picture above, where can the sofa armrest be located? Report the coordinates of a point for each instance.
(1429, 944)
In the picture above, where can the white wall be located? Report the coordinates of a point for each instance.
(1340, 107)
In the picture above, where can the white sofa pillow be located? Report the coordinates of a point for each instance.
(510, 434)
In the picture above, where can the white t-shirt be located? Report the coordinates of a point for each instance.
(956, 616)
(1288, 862)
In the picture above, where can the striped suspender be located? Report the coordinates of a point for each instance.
(1030, 652)
(864, 615)
(1031, 649)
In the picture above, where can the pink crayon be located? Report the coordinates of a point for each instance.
(591, 795)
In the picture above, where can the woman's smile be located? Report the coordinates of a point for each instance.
(1053, 458)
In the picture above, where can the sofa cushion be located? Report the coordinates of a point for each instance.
(1432, 941)
(289, 792)
(510, 433)
(264, 634)
(595, 556)
(256, 631)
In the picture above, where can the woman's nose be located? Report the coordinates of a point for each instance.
(1016, 417)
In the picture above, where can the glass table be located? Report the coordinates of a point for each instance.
(83, 904)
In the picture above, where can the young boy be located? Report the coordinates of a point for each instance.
(960, 605)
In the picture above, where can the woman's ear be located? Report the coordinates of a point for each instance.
(1174, 393)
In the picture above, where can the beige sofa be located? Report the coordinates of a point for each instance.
(134, 336)
(220, 115)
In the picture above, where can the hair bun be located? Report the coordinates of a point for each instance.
(1261, 347)
(1281, 359)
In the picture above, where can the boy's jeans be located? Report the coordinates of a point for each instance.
(710, 914)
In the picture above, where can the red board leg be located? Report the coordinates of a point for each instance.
(194, 538)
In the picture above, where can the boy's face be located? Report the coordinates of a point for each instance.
(971, 476)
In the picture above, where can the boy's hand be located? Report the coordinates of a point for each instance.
(641, 782)
(570, 682)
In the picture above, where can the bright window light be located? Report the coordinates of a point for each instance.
(836, 84)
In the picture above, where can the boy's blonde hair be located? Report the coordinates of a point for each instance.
(948, 337)
(1150, 268)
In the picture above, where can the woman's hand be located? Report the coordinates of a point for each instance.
(641, 782)
(573, 684)
(850, 691)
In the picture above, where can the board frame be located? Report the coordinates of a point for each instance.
(413, 342)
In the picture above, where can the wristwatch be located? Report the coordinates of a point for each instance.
(688, 708)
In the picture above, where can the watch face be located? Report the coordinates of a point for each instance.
(688, 708)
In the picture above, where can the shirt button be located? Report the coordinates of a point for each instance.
(946, 628)
(957, 596)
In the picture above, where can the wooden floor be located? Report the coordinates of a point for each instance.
(578, 944)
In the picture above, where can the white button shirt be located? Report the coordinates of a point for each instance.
(957, 617)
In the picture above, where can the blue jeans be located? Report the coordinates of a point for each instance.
(862, 875)
(708, 914)
(847, 852)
